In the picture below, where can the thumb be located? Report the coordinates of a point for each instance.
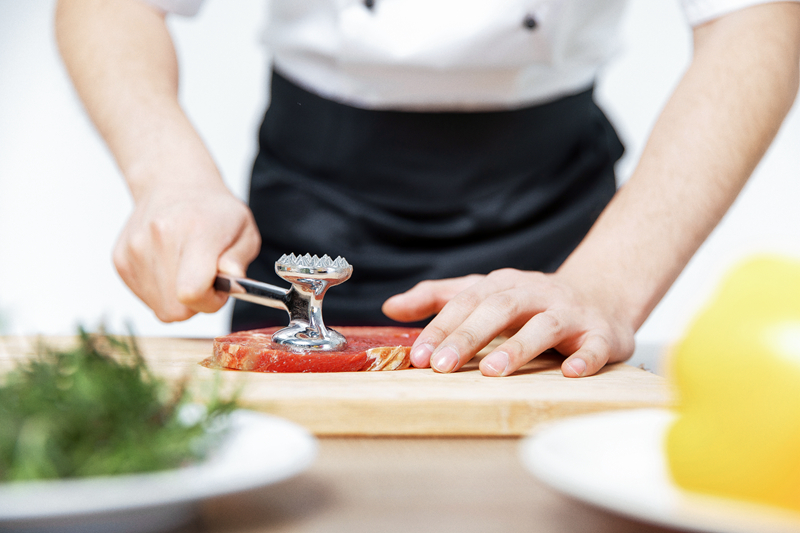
(235, 260)
(426, 298)
(195, 278)
(588, 360)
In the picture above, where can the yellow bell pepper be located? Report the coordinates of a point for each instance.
(737, 376)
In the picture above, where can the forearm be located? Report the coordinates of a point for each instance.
(186, 226)
(712, 133)
(122, 61)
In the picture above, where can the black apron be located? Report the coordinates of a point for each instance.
(408, 196)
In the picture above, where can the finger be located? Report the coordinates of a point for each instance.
(593, 355)
(201, 260)
(195, 274)
(495, 314)
(545, 330)
(235, 260)
(158, 267)
(426, 298)
(454, 313)
(141, 264)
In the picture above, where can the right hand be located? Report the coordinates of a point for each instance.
(176, 241)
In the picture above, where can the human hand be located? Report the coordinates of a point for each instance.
(538, 311)
(176, 241)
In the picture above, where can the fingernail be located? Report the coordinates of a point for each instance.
(421, 355)
(444, 360)
(497, 362)
(578, 366)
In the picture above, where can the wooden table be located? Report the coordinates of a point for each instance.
(410, 483)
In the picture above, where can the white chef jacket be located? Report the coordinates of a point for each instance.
(447, 54)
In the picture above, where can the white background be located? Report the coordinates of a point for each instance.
(63, 202)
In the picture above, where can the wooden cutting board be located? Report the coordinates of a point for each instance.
(414, 402)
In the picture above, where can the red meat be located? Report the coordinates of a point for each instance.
(368, 348)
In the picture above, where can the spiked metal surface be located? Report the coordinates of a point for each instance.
(293, 262)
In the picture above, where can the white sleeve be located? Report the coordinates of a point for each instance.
(186, 8)
(700, 11)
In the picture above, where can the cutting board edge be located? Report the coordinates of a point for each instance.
(407, 418)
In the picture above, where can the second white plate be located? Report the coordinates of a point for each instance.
(616, 461)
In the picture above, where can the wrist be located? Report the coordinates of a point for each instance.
(618, 296)
(151, 178)
(178, 162)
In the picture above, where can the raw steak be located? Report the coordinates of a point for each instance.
(368, 348)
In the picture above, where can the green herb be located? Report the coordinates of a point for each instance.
(98, 410)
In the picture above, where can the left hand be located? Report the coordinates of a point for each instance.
(539, 311)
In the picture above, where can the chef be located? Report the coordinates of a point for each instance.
(450, 150)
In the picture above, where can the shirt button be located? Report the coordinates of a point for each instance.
(369, 3)
(530, 22)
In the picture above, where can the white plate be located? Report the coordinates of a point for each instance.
(616, 461)
(259, 450)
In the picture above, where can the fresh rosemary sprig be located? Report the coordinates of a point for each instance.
(97, 410)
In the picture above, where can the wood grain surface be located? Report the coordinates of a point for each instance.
(414, 402)
(388, 485)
